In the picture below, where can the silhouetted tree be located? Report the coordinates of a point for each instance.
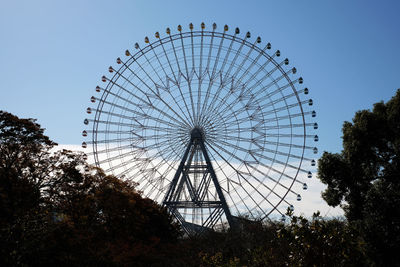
(300, 242)
(364, 178)
(23, 152)
(24, 157)
(57, 210)
(102, 220)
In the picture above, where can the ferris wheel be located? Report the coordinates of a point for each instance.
(214, 125)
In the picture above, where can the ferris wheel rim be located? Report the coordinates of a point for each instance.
(192, 34)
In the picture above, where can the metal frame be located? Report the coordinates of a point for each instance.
(238, 95)
(197, 194)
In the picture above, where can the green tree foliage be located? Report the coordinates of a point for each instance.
(365, 178)
(57, 210)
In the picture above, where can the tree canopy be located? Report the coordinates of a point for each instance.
(364, 179)
(56, 209)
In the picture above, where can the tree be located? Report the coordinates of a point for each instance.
(57, 210)
(23, 160)
(23, 150)
(364, 178)
(299, 242)
(102, 220)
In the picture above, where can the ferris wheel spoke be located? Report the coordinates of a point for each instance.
(153, 94)
(178, 80)
(241, 116)
(200, 75)
(127, 67)
(227, 53)
(166, 86)
(159, 137)
(250, 67)
(279, 100)
(106, 122)
(282, 163)
(228, 110)
(279, 89)
(109, 150)
(143, 101)
(151, 181)
(262, 129)
(216, 61)
(289, 135)
(279, 78)
(254, 63)
(224, 98)
(192, 49)
(224, 82)
(169, 164)
(249, 90)
(210, 49)
(228, 180)
(132, 168)
(120, 156)
(166, 155)
(122, 109)
(285, 117)
(167, 150)
(155, 182)
(213, 74)
(122, 165)
(253, 140)
(287, 145)
(136, 169)
(188, 79)
(248, 164)
(116, 132)
(284, 108)
(151, 65)
(176, 58)
(166, 75)
(256, 161)
(110, 141)
(262, 68)
(175, 145)
(133, 155)
(140, 116)
(141, 149)
(206, 110)
(288, 155)
(266, 75)
(240, 66)
(135, 127)
(250, 184)
(238, 52)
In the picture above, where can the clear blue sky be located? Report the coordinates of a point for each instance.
(53, 53)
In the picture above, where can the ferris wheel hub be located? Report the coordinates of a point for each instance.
(197, 133)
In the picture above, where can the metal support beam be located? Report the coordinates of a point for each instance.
(217, 186)
(197, 191)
